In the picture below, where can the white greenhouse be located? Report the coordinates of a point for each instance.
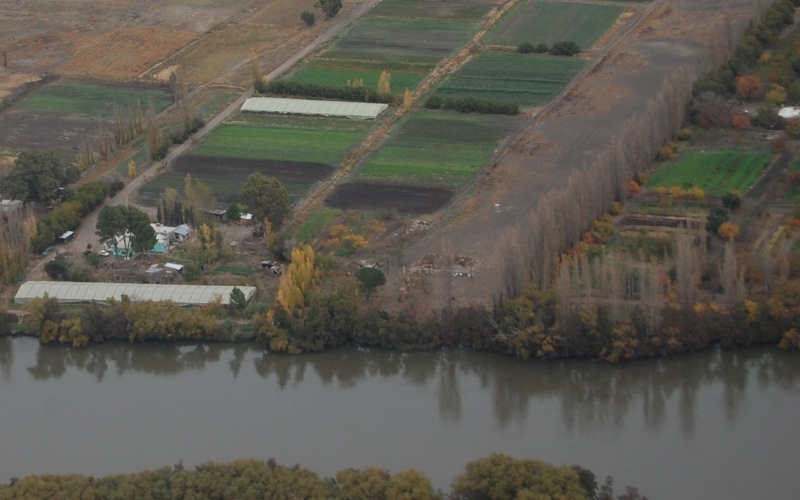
(75, 292)
(354, 110)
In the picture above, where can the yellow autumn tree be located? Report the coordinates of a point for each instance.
(728, 231)
(299, 279)
(408, 101)
(132, 169)
(384, 83)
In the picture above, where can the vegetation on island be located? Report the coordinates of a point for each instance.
(497, 476)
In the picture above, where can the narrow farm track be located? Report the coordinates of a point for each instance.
(85, 234)
(376, 139)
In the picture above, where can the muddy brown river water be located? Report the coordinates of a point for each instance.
(711, 425)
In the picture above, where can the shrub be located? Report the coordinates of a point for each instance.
(716, 217)
(308, 17)
(740, 121)
(565, 49)
(732, 200)
(525, 48)
(685, 134)
(541, 48)
(728, 231)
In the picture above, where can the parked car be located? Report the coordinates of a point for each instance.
(103, 253)
(47, 251)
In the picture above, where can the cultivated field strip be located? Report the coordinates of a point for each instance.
(715, 172)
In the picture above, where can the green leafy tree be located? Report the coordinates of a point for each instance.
(565, 49)
(57, 268)
(238, 300)
(118, 220)
(308, 17)
(234, 212)
(37, 177)
(265, 197)
(370, 279)
(329, 7)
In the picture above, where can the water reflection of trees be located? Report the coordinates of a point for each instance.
(6, 357)
(591, 395)
(157, 359)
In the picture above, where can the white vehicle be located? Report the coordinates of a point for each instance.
(103, 253)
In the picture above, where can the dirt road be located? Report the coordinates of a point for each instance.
(85, 234)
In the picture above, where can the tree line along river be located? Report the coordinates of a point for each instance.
(715, 424)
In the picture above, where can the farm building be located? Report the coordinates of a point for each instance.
(75, 292)
(354, 110)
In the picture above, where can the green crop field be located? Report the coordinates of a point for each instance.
(525, 79)
(437, 149)
(715, 172)
(397, 39)
(95, 100)
(547, 22)
(287, 139)
(400, 80)
(450, 10)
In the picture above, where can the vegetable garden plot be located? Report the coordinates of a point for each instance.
(449, 10)
(525, 79)
(437, 149)
(546, 22)
(399, 38)
(715, 172)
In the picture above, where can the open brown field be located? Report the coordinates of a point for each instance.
(124, 40)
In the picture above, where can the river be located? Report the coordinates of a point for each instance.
(711, 425)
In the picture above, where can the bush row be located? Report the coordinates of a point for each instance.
(67, 216)
(472, 105)
(356, 94)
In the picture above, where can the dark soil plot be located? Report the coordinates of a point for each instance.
(225, 176)
(397, 38)
(548, 22)
(374, 196)
(524, 79)
(447, 10)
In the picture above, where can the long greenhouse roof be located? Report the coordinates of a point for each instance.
(74, 292)
(355, 110)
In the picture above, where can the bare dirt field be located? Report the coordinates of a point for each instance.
(566, 140)
(21, 129)
(405, 199)
(124, 40)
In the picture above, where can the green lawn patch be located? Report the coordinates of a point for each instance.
(715, 172)
(95, 100)
(446, 10)
(234, 270)
(547, 22)
(316, 221)
(525, 79)
(301, 141)
(437, 149)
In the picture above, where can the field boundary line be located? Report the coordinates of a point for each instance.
(379, 136)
